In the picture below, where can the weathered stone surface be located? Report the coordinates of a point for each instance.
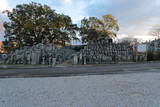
(103, 50)
(38, 54)
(99, 51)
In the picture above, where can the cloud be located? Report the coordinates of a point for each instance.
(66, 2)
(139, 28)
(74, 8)
(4, 5)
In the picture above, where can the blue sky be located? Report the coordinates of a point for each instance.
(135, 17)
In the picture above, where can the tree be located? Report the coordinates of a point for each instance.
(34, 23)
(92, 28)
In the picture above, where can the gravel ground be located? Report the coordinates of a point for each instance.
(116, 90)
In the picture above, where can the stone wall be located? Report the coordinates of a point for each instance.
(99, 51)
(103, 51)
(38, 54)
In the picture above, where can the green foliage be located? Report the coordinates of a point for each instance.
(93, 28)
(35, 23)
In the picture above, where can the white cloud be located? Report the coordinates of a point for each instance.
(75, 9)
(67, 2)
(141, 37)
(139, 28)
(4, 5)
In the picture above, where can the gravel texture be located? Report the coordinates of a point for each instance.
(116, 90)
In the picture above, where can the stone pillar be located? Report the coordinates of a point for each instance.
(50, 60)
(75, 59)
(37, 57)
(43, 60)
(33, 58)
(28, 58)
(80, 58)
(85, 62)
(53, 61)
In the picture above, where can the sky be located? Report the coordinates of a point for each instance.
(136, 18)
